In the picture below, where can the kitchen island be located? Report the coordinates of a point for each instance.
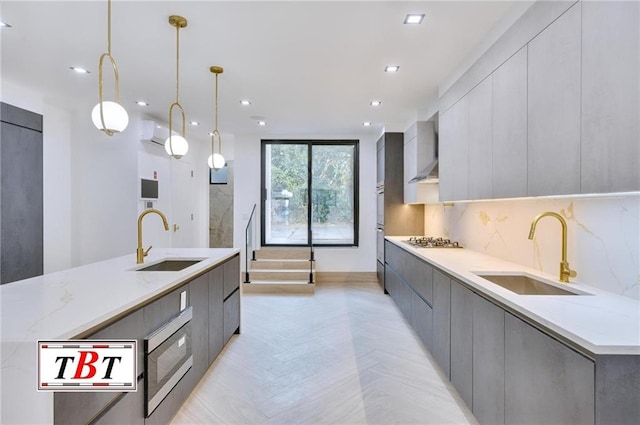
(78, 302)
(516, 358)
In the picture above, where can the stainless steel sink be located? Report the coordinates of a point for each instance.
(526, 285)
(168, 266)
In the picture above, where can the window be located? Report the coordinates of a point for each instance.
(309, 193)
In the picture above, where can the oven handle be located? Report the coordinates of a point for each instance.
(160, 335)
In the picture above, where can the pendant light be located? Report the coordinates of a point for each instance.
(175, 145)
(216, 160)
(109, 117)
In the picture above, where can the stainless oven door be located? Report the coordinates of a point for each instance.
(168, 357)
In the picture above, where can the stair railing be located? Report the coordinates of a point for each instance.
(249, 244)
(311, 256)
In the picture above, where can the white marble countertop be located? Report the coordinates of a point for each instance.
(64, 304)
(601, 323)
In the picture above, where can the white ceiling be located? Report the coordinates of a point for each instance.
(307, 67)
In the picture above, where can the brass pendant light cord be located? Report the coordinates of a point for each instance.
(115, 74)
(177, 22)
(217, 70)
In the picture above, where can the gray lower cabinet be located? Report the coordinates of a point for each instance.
(462, 341)
(72, 408)
(216, 313)
(554, 107)
(421, 319)
(231, 315)
(617, 389)
(173, 401)
(231, 275)
(441, 340)
(199, 293)
(399, 292)
(128, 410)
(488, 362)
(545, 381)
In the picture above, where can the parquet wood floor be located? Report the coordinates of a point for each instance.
(342, 356)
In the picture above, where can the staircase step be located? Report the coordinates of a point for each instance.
(283, 253)
(270, 264)
(279, 275)
(278, 287)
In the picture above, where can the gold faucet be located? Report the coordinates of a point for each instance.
(140, 252)
(565, 271)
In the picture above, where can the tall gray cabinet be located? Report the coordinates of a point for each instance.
(394, 218)
(21, 202)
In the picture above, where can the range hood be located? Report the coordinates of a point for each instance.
(428, 174)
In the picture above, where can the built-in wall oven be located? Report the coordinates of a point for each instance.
(380, 232)
(168, 357)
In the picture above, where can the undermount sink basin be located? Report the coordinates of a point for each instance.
(168, 266)
(526, 285)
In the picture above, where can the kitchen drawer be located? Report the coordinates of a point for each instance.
(81, 407)
(163, 309)
(231, 275)
(232, 315)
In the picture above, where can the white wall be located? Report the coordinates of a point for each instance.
(90, 187)
(247, 192)
(603, 235)
(104, 194)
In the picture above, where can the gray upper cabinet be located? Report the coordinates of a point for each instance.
(488, 362)
(554, 107)
(509, 165)
(454, 152)
(545, 382)
(480, 140)
(460, 142)
(610, 96)
(446, 164)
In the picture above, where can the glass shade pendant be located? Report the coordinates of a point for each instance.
(109, 116)
(113, 115)
(177, 145)
(216, 160)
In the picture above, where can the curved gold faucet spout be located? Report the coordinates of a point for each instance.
(565, 271)
(140, 252)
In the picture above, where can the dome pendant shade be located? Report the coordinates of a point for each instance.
(216, 161)
(176, 146)
(115, 116)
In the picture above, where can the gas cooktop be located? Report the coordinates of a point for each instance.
(431, 242)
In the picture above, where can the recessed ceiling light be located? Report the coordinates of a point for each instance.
(79, 70)
(245, 102)
(375, 103)
(367, 123)
(194, 123)
(142, 103)
(391, 68)
(413, 19)
(4, 25)
(262, 123)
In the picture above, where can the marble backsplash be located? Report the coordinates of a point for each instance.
(603, 235)
(221, 212)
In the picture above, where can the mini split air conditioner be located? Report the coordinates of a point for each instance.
(153, 132)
